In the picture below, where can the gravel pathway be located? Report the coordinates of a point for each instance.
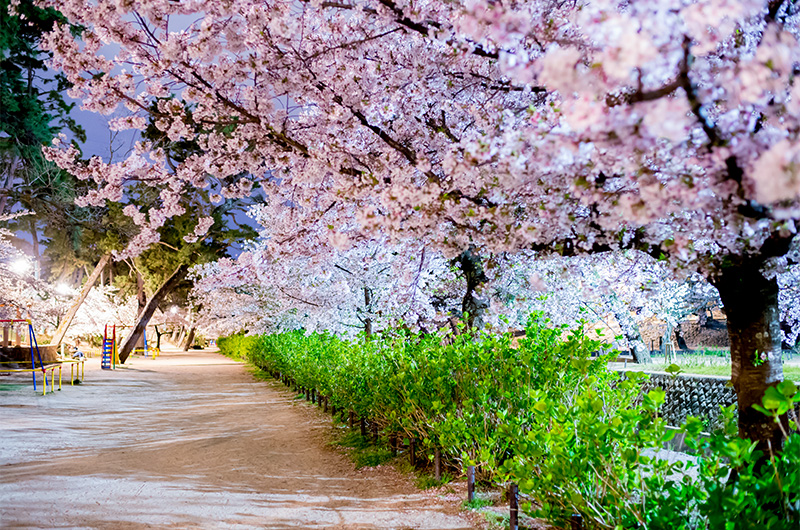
(188, 440)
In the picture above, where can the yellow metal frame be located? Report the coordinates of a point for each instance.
(51, 367)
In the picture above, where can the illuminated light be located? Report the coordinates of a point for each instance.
(20, 266)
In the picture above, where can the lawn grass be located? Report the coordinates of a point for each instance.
(700, 364)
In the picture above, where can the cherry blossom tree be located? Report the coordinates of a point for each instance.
(570, 128)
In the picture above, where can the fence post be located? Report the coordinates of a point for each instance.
(412, 452)
(470, 483)
(576, 522)
(513, 505)
(437, 463)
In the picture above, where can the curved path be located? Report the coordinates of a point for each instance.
(189, 440)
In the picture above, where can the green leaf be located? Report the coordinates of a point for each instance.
(787, 388)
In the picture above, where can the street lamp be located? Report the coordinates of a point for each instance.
(20, 266)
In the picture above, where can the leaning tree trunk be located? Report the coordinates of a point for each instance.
(751, 305)
(189, 339)
(144, 318)
(67, 320)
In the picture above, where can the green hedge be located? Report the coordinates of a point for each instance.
(539, 411)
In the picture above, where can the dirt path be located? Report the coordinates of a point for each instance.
(188, 441)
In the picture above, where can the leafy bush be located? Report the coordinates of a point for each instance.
(236, 346)
(541, 412)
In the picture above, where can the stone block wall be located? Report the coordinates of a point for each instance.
(692, 395)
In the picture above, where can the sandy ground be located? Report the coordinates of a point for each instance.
(188, 440)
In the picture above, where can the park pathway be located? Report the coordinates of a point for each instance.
(188, 440)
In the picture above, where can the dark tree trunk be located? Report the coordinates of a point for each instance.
(158, 337)
(368, 309)
(679, 340)
(751, 305)
(162, 292)
(472, 305)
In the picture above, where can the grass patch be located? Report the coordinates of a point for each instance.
(477, 503)
(361, 451)
(425, 481)
(371, 457)
(496, 520)
(700, 364)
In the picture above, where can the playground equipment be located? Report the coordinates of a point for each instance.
(147, 351)
(8, 326)
(110, 357)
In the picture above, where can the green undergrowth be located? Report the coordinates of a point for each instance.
(426, 481)
(478, 502)
(361, 451)
(545, 413)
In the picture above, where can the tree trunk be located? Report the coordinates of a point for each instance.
(162, 292)
(631, 332)
(751, 305)
(8, 183)
(37, 259)
(368, 310)
(158, 337)
(67, 320)
(679, 340)
(141, 296)
(472, 305)
(189, 339)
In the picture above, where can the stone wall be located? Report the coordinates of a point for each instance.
(692, 395)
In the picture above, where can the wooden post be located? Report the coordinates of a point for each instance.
(352, 419)
(470, 483)
(437, 463)
(412, 452)
(374, 431)
(393, 443)
(576, 522)
(513, 504)
(363, 425)
(325, 404)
